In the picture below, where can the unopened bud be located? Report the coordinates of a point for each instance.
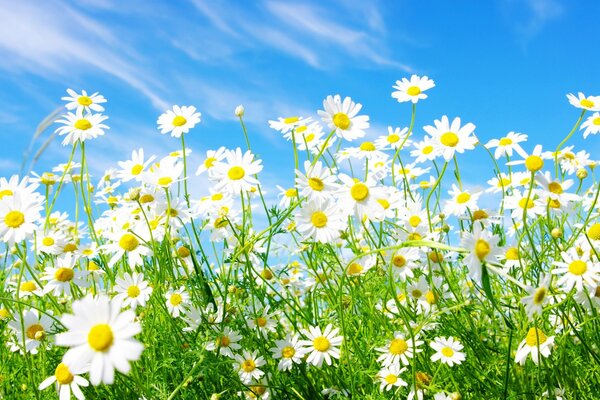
(239, 111)
(556, 233)
(582, 173)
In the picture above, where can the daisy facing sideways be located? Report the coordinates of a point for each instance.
(100, 335)
(535, 343)
(342, 116)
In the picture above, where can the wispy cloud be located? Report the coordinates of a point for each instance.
(530, 17)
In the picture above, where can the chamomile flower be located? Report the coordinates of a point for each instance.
(225, 342)
(164, 174)
(286, 196)
(18, 216)
(342, 116)
(236, 172)
(317, 184)
(591, 103)
(462, 201)
(423, 150)
(533, 162)
(322, 345)
(576, 270)
(399, 349)
(60, 277)
(31, 330)
(288, 124)
(177, 300)
(412, 90)
(67, 380)
(359, 198)
(450, 138)
(403, 261)
(448, 351)
(212, 157)
(535, 343)
(537, 296)
(591, 126)
(248, 366)
(126, 244)
(178, 121)
(389, 377)
(506, 144)
(132, 290)
(288, 351)
(134, 168)
(319, 222)
(101, 335)
(483, 247)
(84, 101)
(80, 127)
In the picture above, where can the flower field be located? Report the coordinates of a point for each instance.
(376, 274)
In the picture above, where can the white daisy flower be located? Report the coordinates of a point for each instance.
(576, 270)
(100, 335)
(288, 124)
(450, 138)
(448, 351)
(342, 117)
(322, 345)
(18, 218)
(212, 156)
(84, 101)
(31, 330)
(134, 168)
(320, 222)
(359, 198)
(389, 377)
(67, 380)
(126, 244)
(164, 173)
(461, 202)
(591, 103)
(535, 343)
(60, 277)
(506, 144)
(537, 296)
(225, 342)
(81, 127)
(483, 247)
(178, 121)
(248, 366)
(412, 90)
(177, 301)
(132, 290)
(236, 172)
(399, 349)
(288, 351)
(591, 126)
(318, 184)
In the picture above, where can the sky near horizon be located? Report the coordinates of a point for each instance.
(505, 65)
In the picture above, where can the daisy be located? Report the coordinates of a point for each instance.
(399, 349)
(519, 203)
(317, 184)
(424, 150)
(461, 202)
(367, 150)
(126, 244)
(389, 377)
(403, 261)
(321, 345)
(133, 169)
(288, 351)
(84, 102)
(212, 156)
(591, 125)
(288, 124)
(177, 300)
(99, 334)
(30, 330)
(248, 366)
(132, 290)
(236, 172)
(286, 196)
(80, 127)
(591, 103)
(309, 138)
(394, 138)
(533, 162)
(499, 183)
(506, 145)
(449, 138)
(60, 277)
(448, 351)
(537, 296)
(165, 173)
(320, 222)
(576, 270)
(18, 216)
(359, 198)
(342, 117)
(225, 342)
(51, 242)
(26, 187)
(178, 121)
(535, 343)
(67, 380)
(412, 90)
(482, 246)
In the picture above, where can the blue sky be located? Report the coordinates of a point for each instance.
(501, 64)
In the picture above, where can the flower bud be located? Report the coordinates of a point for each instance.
(239, 111)
(556, 233)
(582, 173)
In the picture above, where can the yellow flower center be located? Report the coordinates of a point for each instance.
(133, 291)
(399, 261)
(539, 295)
(482, 249)
(535, 337)
(384, 203)
(367, 146)
(128, 242)
(524, 203)
(512, 254)
(28, 286)
(449, 139)
(179, 121)
(310, 137)
(223, 341)
(319, 219)
(301, 129)
(414, 221)
(261, 322)
(447, 351)
(534, 163)
(416, 293)
(236, 173)
(183, 252)
(393, 138)
(505, 141)
(359, 191)
(5, 192)
(146, 198)
(14, 219)
(291, 120)
(100, 337)
(70, 247)
(555, 187)
(430, 297)
(594, 232)
(83, 124)
(391, 379)
(165, 180)
(413, 91)
(596, 121)
(316, 184)
(587, 103)
(175, 299)
(136, 169)
(248, 365)
(436, 257)
(84, 101)
(267, 274)
(342, 121)
(292, 192)
(63, 375)
(479, 215)
(321, 343)
(578, 267)
(398, 346)
(463, 198)
(427, 149)
(4, 313)
(216, 197)
(47, 241)
(32, 331)
(288, 352)
(64, 274)
(355, 268)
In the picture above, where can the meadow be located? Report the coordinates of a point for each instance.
(376, 274)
